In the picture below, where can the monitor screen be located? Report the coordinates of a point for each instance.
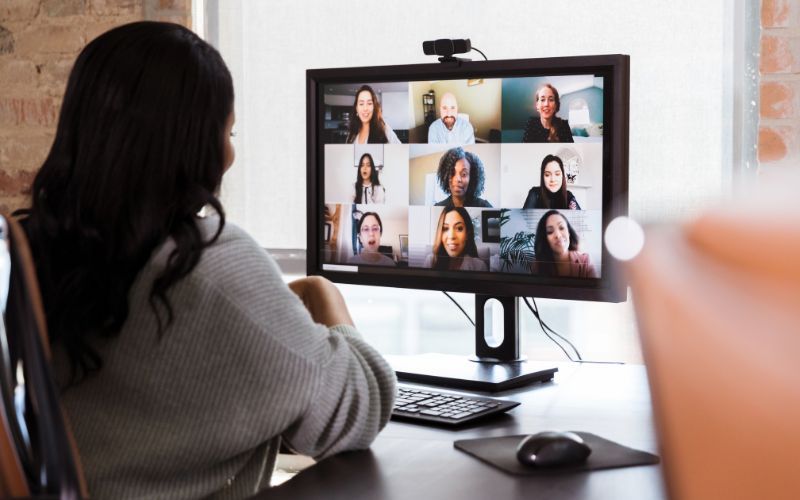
(493, 177)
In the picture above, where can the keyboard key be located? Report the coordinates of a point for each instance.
(427, 406)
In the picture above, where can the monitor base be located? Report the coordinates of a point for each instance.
(459, 372)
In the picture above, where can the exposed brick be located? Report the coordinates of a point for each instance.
(171, 4)
(10, 203)
(50, 39)
(94, 30)
(772, 144)
(6, 41)
(16, 73)
(25, 152)
(15, 183)
(776, 55)
(116, 7)
(183, 20)
(53, 74)
(18, 10)
(779, 99)
(780, 13)
(59, 8)
(16, 111)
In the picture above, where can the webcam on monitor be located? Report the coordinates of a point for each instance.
(446, 47)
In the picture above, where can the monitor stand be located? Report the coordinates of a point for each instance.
(496, 366)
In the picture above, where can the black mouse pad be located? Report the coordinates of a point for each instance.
(502, 453)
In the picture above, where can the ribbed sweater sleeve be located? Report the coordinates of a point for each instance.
(197, 411)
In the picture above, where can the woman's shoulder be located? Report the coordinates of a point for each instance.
(233, 254)
(532, 199)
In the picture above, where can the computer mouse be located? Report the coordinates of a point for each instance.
(551, 449)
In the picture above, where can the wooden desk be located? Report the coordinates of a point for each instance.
(410, 461)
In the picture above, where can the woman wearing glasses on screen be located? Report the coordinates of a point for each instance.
(556, 249)
(187, 359)
(368, 186)
(547, 127)
(366, 124)
(552, 191)
(460, 175)
(370, 229)
(454, 246)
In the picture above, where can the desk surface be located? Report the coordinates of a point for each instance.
(418, 462)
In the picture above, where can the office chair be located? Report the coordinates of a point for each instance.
(719, 317)
(37, 452)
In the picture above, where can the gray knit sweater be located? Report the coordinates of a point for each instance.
(201, 411)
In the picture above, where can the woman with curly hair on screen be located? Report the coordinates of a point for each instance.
(460, 174)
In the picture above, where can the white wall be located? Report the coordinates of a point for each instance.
(678, 96)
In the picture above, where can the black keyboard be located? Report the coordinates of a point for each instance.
(423, 405)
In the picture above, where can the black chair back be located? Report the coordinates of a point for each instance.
(37, 452)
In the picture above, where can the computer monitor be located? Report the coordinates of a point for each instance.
(496, 178)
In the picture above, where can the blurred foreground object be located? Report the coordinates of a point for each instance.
(718, 307)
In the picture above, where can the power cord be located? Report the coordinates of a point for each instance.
(481, 53)
(459, 306)
(535, 310)
(547, 332)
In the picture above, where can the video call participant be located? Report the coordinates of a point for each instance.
(556, 249)
(368, 186)
(552, 191)
(547, 127)
(366, 123)
(454, 244)
(460, 174)
(370, 229)
(184, 357)
(449, 128)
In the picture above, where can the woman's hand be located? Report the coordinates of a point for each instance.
(323, 300)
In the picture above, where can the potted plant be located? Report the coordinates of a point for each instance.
(517, 251)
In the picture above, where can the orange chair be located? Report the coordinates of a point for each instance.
(718, 306)
(37, 452)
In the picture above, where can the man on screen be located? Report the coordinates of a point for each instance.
(449, 128)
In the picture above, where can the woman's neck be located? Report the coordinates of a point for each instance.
(457, 201)
(546, 122)
(363, 134)
(366, 183)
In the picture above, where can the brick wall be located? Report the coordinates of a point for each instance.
(779, 124)
(39, 41)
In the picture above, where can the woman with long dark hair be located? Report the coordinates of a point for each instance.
(552, 191)
(368, 185)
(454, 244)
(547, 127)
(366, 123)
(557, 249)
(185, 358)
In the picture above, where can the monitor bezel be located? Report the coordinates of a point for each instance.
(609, 288)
